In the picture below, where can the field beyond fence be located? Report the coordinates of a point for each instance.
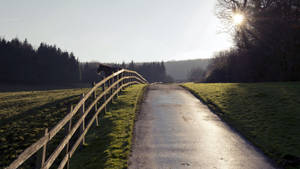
(58, 144)
(25, 115)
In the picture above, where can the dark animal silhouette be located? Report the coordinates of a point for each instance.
(105, 70)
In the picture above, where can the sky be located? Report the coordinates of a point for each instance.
(118, 30)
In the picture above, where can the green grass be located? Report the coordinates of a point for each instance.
(25, 115)
(109, 144)
(268, 114)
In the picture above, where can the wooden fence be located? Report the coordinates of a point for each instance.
(110, 86)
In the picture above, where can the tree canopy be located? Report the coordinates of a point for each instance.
(21, 63)
(267, 43)
(48, 64)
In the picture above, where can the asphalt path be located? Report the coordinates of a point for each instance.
(175, 130)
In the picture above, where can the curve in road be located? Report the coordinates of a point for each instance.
(175, 130)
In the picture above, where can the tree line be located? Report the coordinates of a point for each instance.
(48, 64)
(152, 71)
(267, 43)
(21, 63)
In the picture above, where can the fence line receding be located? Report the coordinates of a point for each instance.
(110, 87)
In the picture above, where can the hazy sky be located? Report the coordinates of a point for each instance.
(117, 30)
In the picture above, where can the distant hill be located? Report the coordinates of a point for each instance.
(178, 70)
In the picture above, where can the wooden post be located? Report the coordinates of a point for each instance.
(104, 97)
(41, 155)
(107, 86)
(124, 75)
(68, 129)
(103, 87)
(129, 80)
(111, 90)
(111, 83)
(96, 108)
(121, 76)
(117, 84)
(83, 122)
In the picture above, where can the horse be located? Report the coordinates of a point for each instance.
(105, 70)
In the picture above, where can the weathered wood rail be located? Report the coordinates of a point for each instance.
(111, 86)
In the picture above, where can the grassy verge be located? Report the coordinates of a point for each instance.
(25, 115)
(108, 145)
(268, 114)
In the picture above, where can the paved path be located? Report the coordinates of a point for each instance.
(175, 130)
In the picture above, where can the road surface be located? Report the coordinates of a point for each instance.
(175, 130)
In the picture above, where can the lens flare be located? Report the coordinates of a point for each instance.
(238, 19)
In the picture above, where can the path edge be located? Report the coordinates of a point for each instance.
(216, 110)
(140, 100)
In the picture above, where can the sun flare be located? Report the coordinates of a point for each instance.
(238, 19)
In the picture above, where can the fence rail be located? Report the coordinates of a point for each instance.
(111, 86)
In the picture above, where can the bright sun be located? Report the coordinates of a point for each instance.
(238, 19)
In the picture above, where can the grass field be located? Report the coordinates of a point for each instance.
(268, 114)
(108, 145)
(25, 115)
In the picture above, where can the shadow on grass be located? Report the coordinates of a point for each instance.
(32, 113)
(20, 131)
(93, 154)
(107, 144)
(267, 114)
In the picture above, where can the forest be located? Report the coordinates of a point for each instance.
(21, 63)
(152, 71)
(267, 44)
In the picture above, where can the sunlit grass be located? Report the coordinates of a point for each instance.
(108, 146)
(268, 114)
(25, 115)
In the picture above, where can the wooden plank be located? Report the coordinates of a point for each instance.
(95, 108)
(69, 155)
(82, 127)
(78, 141)
(64, 162)
(41, 142)
(28, 153)
(60, 147)
(56, 129)
(41, 155)
(62, 144)
(130, 71)
(68, 137)
(66, 159)
(103, 94)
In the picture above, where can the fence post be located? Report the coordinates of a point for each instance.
(68, 129)
(111, 90)
(107, 86)
(121, 76)
(117, 86)
(124, 75)
(83, 121)
(129, 80)
(104, 97)
(96, 108)
(41, 155)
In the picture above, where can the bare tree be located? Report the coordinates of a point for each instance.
(270, 29)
